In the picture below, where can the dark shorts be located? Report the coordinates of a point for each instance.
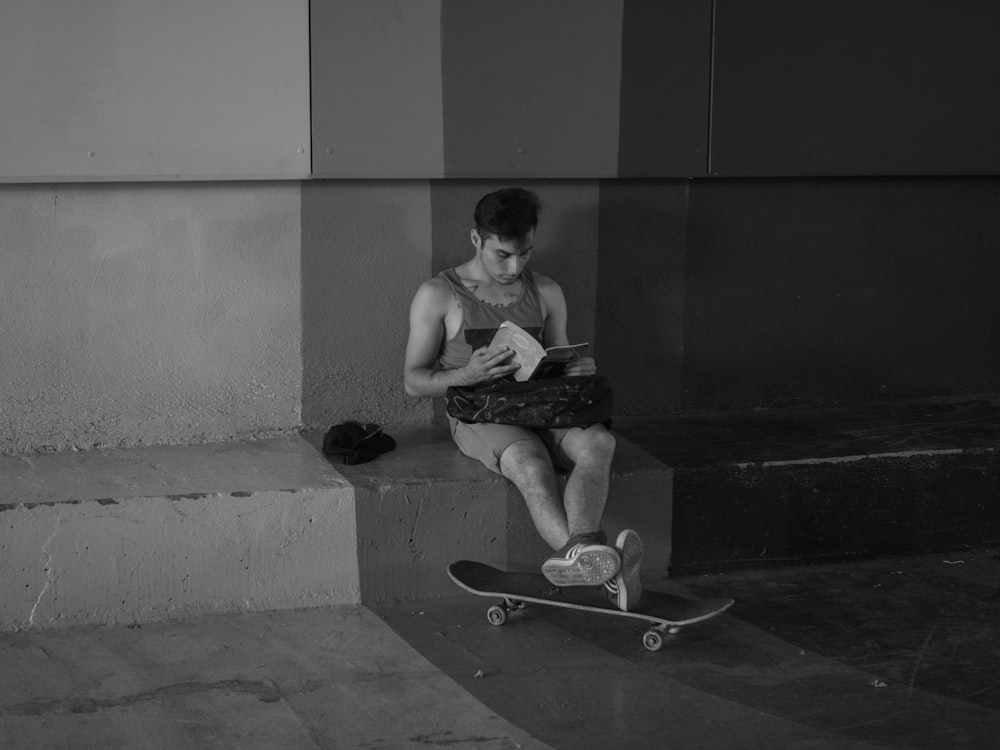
(487, 442)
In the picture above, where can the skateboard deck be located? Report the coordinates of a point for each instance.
(663, 612)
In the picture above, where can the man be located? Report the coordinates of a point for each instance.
(453, 318)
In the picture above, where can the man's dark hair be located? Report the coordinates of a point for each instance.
(509, 213)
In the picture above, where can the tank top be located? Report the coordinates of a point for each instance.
(480, 320)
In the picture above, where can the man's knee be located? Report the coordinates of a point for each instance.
(526, 459)
(601, 440)
(591, 444)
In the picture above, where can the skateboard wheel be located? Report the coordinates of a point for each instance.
(652, 640)
(497, 615)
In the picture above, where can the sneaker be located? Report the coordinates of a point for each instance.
(625, 589)
(585, 560)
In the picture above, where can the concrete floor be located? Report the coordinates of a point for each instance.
(895, 652)
(319, 678)
(888, 653)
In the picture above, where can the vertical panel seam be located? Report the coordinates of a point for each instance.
(309, 78)
(711, 85)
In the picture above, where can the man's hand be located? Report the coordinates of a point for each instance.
(580, 367)
(486, 365)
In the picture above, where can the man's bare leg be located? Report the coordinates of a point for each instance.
(528, 465)
(569, 524)
(590, 450)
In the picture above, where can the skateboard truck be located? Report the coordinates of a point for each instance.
(497, 614)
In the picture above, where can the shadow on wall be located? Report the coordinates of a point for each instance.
(366, 247)
(640, 301)
(821, 291)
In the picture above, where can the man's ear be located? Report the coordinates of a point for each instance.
(477, 239)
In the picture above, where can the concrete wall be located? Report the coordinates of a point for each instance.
(640, 300)
(366, 247)
(147, 313)
(822, 291)
(142, 314)
(196, 311)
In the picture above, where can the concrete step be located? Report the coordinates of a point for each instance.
(425, 505)
(140, 534)
(143, 534)
(801, 484)
(332, 677)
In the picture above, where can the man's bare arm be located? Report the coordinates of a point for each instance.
(556, 317)
(421, 376)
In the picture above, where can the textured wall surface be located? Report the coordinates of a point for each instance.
(826, 290)
(365, 249)
(139, 314)
(148, 314)
(640, 299)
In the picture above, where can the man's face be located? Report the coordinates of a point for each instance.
(503, 260)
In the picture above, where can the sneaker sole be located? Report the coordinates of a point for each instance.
(592, 567)
(629, 578)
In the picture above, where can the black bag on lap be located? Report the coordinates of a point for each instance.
(550, 402)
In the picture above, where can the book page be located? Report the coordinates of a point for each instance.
(533, 358)
(556, 357)
(527, 351)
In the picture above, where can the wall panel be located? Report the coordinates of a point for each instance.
(376, 89)
(152, 90)
(856, 87)
(666, 56)
(531, 87)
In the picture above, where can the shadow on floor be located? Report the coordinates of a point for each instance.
(899, 653)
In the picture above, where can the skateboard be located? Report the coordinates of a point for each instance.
(663, 612)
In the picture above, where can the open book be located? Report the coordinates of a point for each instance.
(536, 361)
